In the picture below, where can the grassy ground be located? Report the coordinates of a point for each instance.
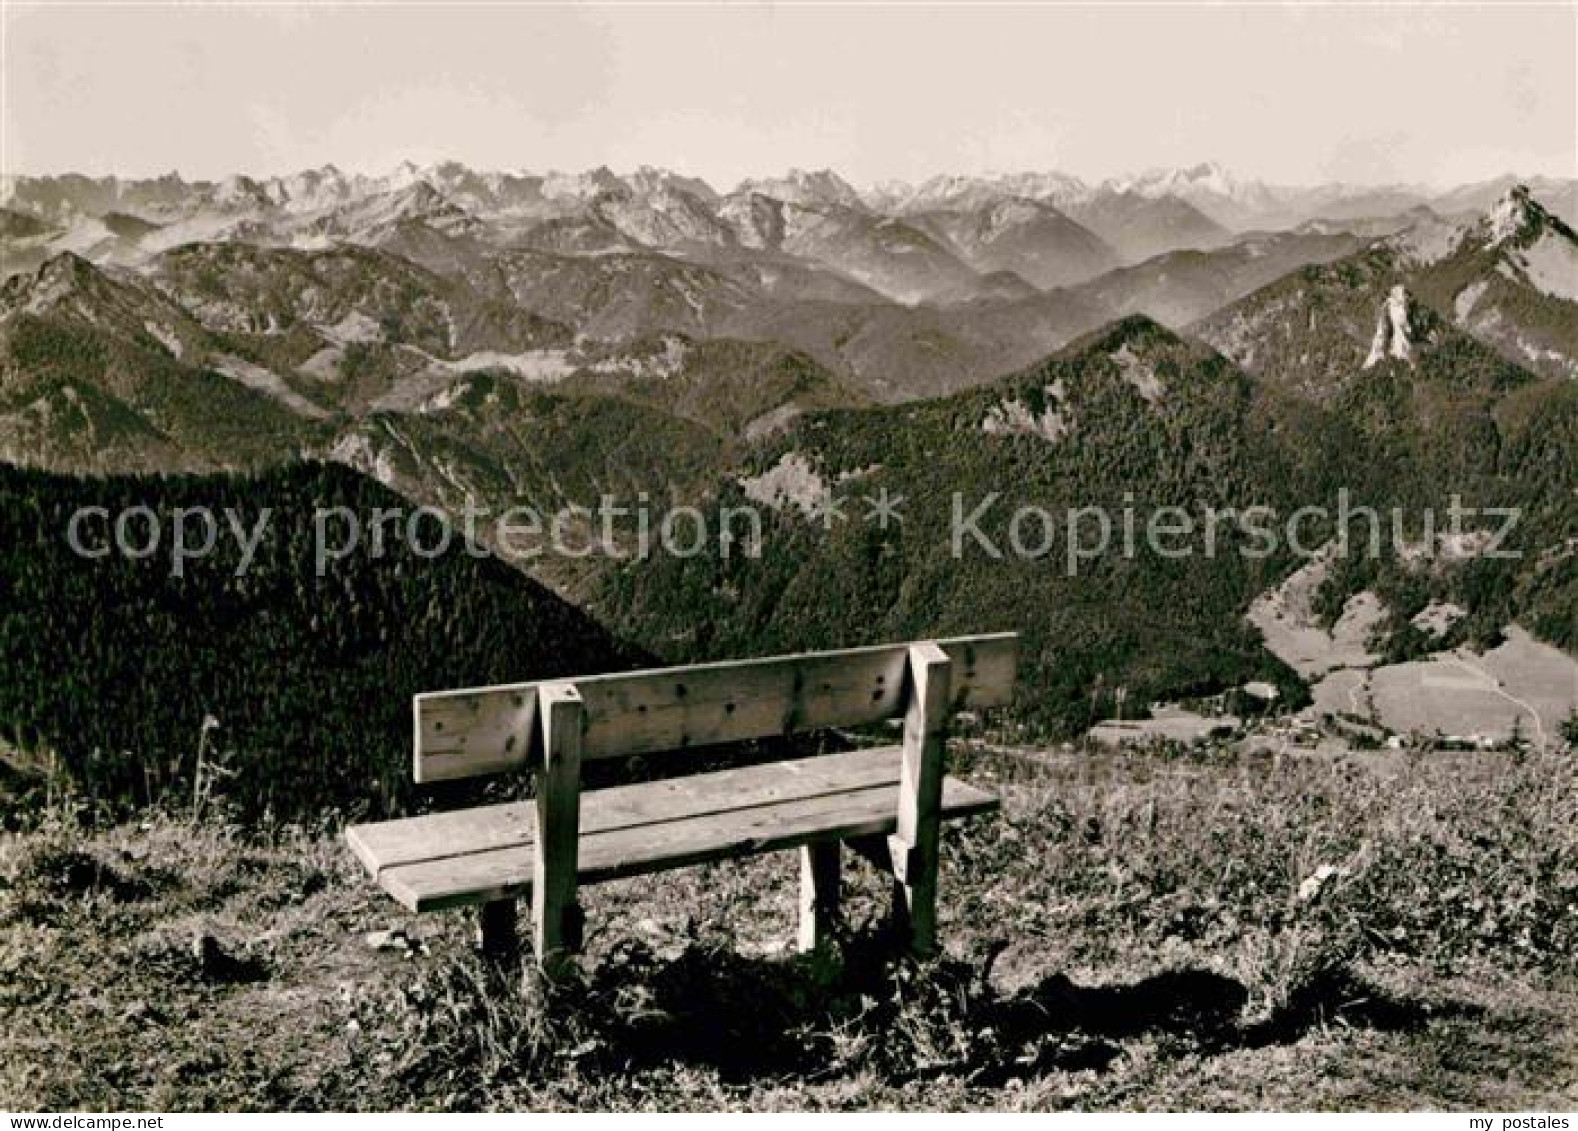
(1136, 931)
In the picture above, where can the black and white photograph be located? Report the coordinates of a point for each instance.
(788, 557)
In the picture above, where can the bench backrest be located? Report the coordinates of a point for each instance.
(462, 734)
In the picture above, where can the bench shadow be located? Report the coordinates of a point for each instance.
(750, 1018)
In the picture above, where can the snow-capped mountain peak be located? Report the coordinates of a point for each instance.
(582, 186)
(799, 186)
(239, 191)
(310, 189)
(1207, 179)
(649, 180)
(964, 191)
(403, 175)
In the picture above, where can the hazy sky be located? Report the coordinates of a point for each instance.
(1354, 92)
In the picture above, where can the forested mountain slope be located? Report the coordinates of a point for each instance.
(1128, 421)
(113, 664)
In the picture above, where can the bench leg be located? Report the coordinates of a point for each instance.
(496, 929)
(819, 879)
(915, 902)
(890, 855)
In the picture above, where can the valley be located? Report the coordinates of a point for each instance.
(1518, 690)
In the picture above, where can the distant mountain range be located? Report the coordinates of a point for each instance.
(1235, 203)
(307, 299)
(328, 299)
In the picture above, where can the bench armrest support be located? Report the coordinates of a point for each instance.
(920, 796)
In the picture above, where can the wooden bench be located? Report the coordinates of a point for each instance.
(887, 803)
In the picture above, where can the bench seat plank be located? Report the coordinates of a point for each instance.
(414, 839)
(477, 855)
